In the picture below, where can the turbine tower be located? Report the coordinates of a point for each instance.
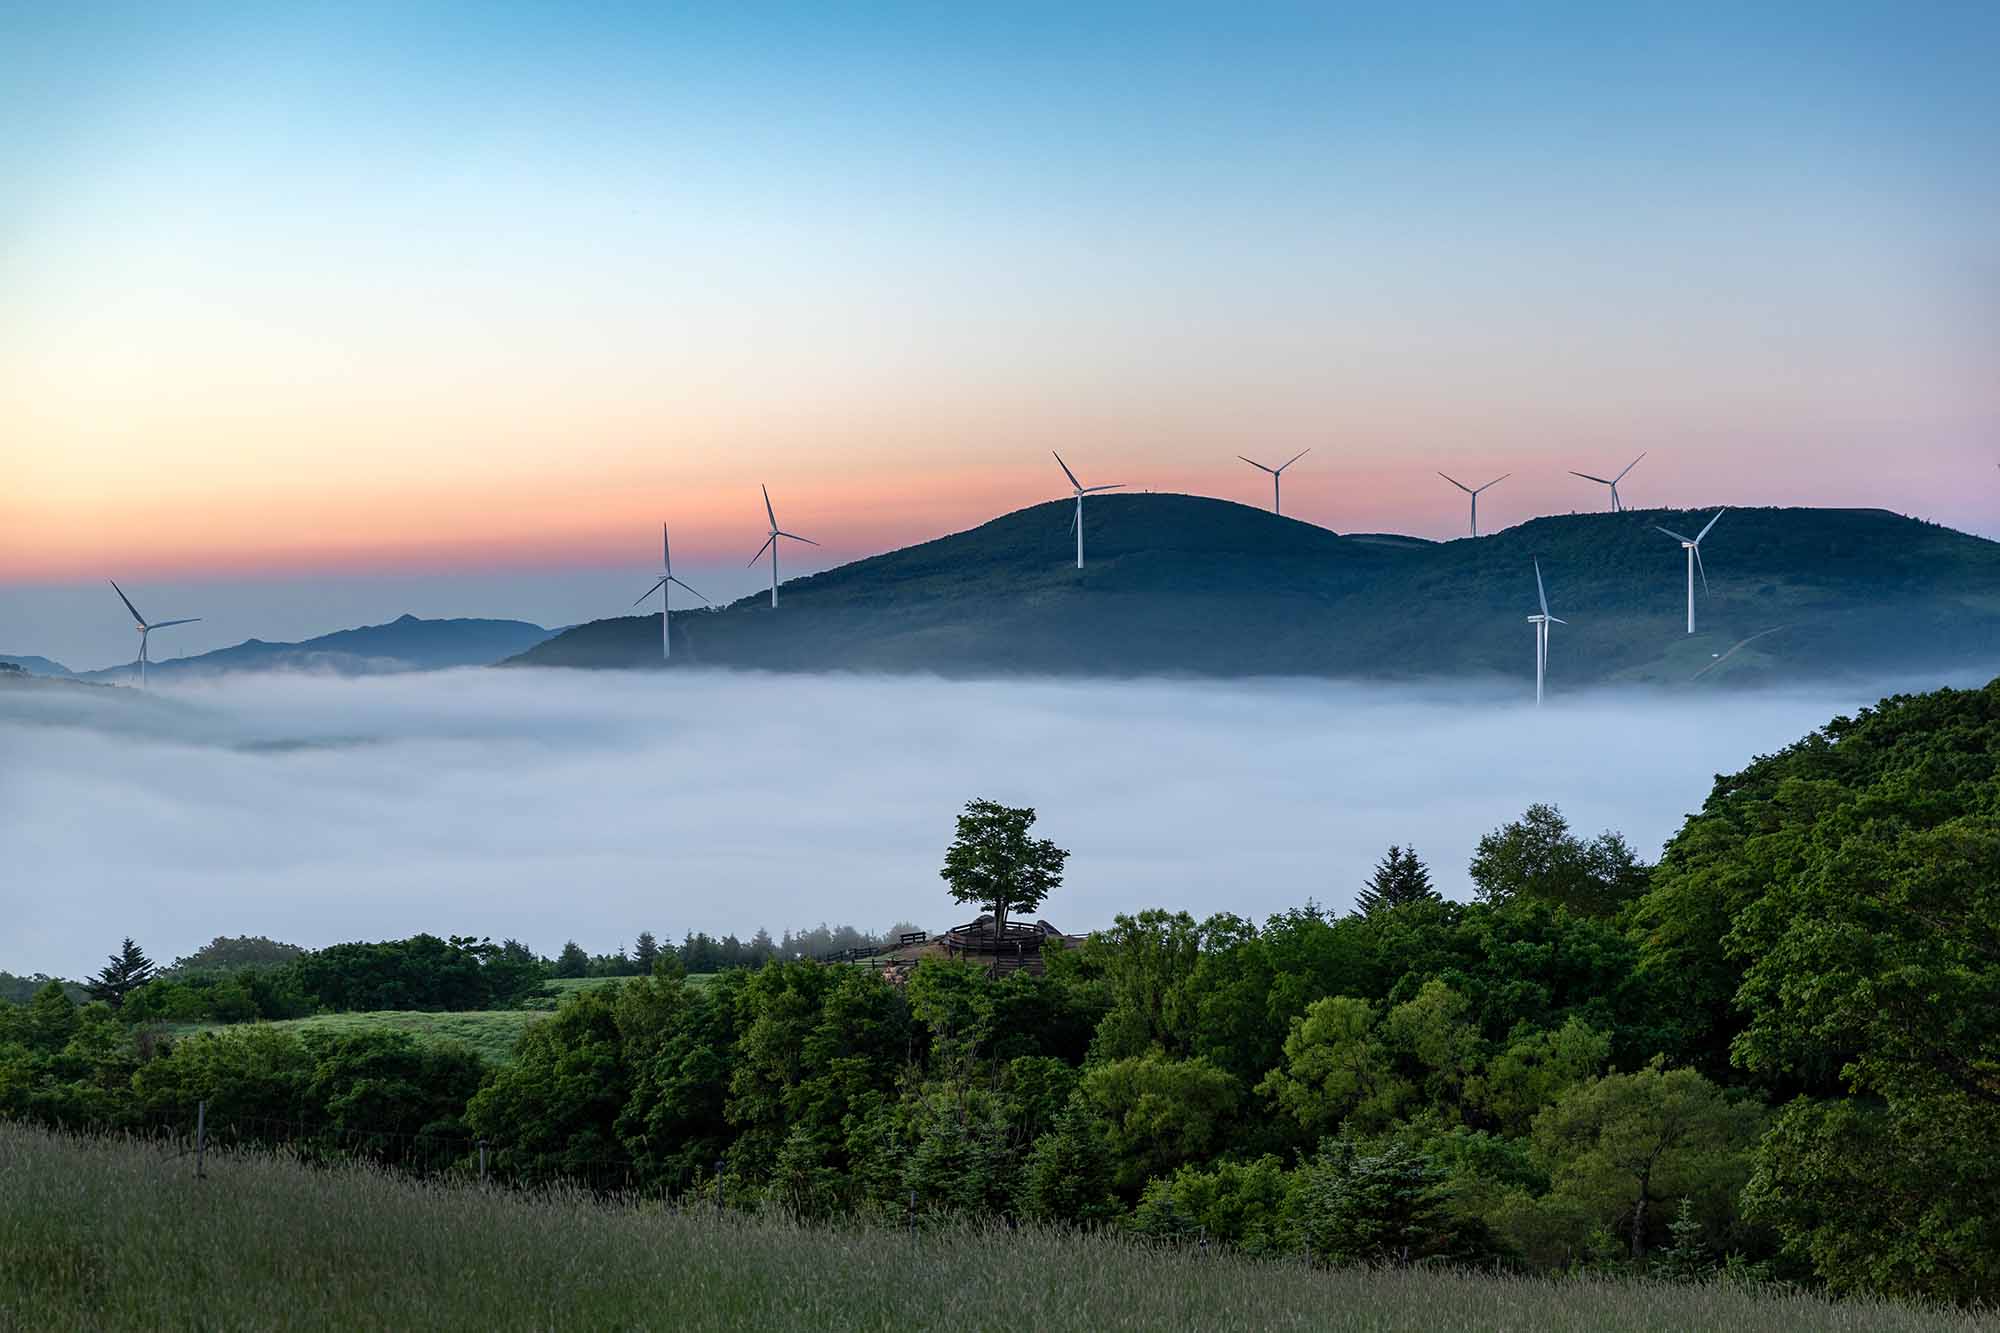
(1692, 545)
(772, 542)
(1541, 624)
(146, 628)
(1616, 506)
(1076, 519)
(1474, 491)
(665, 587)
(1276, 472)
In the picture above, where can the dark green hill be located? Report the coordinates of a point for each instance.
(1176, 583)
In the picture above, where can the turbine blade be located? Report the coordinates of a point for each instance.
(1538, 588)
(1587, 477)
(128, 602)
(650, 591)
(1496, 481)
(683, 587)
(1628, 467)
(1075, 514)
(666, 555)
(1701, 568)
(1711, 523)
(1461, 485)
(1670, 532)
(1294, 458)
(767, 506)
(760, 550)
(1558, 620)
(795, 537)
(1259, 466)
(162, 624)
(1092, 490)
(1066, 472)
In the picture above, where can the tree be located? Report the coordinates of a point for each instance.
(226, 953)
(645, 953)
(572, 961)
(127, 970)
(993, 862)
(1335, 1068)
(1380, 1207)
(1537, 859)
(1621, 1143)
(1399, 878)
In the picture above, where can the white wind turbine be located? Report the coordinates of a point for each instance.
(665, 587)
(1616, 505)
(1474, 491)
(1076, 519)
(1692, 545)
(1541, 624)
(146, 628)
(1276, 472)
(772, 542)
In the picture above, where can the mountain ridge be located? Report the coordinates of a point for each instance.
(408, 643)
(1177, 584)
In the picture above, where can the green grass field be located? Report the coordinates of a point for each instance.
(490, 1032)
(119, 1235)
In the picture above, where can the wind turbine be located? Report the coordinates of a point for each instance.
(1616, 506)
(1474, 491)
(1541, 624)
(772, 542)
(145, 628)
(1693, 547)
(665, 587)
(1276, 472)
(1076, 519)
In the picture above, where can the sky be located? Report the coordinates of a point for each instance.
(593, 805)
(311, 315)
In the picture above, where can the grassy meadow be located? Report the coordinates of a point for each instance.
(490, 1032)
(118, 1234)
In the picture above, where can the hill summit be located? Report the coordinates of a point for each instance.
(1180, 584)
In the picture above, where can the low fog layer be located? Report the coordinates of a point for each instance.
(556, 805)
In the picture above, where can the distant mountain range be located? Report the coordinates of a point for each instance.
(36, 666)
(1183, 584)
(404, 644)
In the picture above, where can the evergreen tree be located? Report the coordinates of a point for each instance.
(572, 961)
(645, 952)
(1686, 1257)
(1399, 878)
(127, 970)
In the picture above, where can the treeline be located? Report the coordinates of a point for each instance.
(249, 978)
(1774, 1054)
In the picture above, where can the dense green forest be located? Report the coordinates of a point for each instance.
(1774, 1054)
(1182, 584)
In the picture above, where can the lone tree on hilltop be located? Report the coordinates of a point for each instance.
(1399, 878)
(128, 970)
(572, 961)
(994, 863)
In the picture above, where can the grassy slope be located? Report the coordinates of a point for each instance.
(490, 1032)
(118, 1235)
(1205, 586)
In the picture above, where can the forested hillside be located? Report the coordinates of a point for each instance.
(1775, 1054)
(1183, 584)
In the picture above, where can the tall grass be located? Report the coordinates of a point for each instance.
(119, 1234)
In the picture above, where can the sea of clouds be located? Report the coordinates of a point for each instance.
(554, 805)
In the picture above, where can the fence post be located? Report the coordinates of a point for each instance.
(482, 1161)
(200, 1139)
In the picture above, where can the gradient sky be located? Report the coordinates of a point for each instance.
(315, 314)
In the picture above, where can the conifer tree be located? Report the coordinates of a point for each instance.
(1399, 878)
(127, 970)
